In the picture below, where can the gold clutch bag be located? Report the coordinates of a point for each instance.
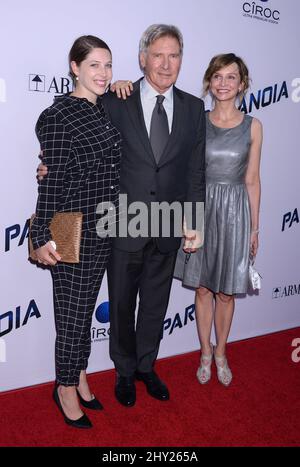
(65, 229)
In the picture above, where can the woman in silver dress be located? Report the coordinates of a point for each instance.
(219, 269)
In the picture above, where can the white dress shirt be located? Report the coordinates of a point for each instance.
(148, 98)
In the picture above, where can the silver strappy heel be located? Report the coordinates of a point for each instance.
(223, 370)
(204, 371)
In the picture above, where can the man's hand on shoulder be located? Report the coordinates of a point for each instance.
(122, 88)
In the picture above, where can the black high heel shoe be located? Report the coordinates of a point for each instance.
(93, 404)
(82, 422)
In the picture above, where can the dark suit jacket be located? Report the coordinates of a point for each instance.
(180, 173)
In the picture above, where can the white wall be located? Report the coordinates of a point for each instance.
(35, 39)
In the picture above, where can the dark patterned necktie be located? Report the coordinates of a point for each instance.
(159, 128)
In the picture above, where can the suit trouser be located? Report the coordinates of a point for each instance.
(75, 289)
(134, 343)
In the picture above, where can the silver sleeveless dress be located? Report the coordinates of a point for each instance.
(222, 263)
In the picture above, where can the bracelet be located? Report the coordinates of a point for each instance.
(255, 231)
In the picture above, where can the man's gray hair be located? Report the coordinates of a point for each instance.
(156, 31)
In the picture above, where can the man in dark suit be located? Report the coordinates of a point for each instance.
(163, 130)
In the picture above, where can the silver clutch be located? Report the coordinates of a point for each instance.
(254, 276)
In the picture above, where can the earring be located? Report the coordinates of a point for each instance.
(77, 79)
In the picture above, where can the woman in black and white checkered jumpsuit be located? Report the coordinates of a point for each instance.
(81, 149)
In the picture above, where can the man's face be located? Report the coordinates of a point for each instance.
(161, 63)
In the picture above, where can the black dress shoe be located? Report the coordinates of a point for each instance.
(155, 387)
(82, 422)
(125, 390)
(93, 404)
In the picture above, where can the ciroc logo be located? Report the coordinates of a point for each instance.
(102, 316)
(289, 218)
(102, 313)
(39, 83)
(254, 10)
(15, 318)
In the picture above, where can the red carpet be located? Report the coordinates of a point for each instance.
(260, 408)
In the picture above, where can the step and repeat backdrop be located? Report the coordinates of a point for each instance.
(35, 40)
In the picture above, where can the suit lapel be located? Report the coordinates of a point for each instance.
(135, 111)
(177, 125)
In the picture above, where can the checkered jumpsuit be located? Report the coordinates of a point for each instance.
(82, 151)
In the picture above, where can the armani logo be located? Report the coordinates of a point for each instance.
(286, 291)
(56, 85)
(276, 292)
(37, 83)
